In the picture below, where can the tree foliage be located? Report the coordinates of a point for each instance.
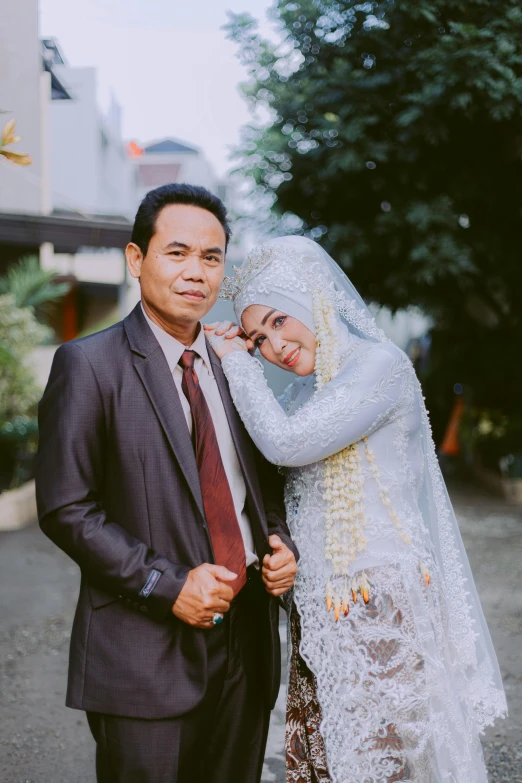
(8, 137)
(26, 292)
(396, 138)
(32, 286)
(20, 332)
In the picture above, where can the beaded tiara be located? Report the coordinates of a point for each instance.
(256, 261)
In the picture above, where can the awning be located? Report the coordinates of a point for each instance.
(67, 233)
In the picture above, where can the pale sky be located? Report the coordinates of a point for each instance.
(167, 62)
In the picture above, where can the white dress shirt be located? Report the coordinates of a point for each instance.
(173, 350)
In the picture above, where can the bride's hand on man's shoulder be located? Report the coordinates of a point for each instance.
(227, 337)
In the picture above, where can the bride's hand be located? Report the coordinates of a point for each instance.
(227, 337)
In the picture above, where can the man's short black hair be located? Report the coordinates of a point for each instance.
(157, 199)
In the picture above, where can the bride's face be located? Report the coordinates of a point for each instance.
(282, 340)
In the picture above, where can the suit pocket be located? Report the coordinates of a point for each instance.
(100, 598)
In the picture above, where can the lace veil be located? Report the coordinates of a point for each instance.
(289, 271)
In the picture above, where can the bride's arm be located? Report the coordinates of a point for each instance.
(344, 411)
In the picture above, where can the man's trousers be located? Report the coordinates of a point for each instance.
(223, 739)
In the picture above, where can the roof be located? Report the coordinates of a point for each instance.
(168, 146)
(67, 232)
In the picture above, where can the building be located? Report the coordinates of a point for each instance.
(90, 177)
(89, 170)
(74, 205)
(24, 90)
(170, 160)
(76, 193)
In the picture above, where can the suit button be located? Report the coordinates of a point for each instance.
(144, 609)
(128, 600)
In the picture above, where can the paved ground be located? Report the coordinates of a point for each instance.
(43, 742)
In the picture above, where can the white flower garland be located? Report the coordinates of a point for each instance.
(344, 481)
(383, 494)
(328, 351)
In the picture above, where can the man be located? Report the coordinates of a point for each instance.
(148, 480)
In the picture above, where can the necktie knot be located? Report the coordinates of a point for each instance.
(187, 359)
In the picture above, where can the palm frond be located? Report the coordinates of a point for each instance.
(31, 285)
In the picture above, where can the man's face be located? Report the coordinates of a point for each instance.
(181, 274)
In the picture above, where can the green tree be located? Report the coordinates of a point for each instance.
(20, 332)
(26, 291)
(32, 286)
(396, 137)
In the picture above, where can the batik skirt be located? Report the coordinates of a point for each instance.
(304, 745)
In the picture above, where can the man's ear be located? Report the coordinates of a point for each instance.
(134, 258)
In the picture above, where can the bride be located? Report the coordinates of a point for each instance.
(392, 674)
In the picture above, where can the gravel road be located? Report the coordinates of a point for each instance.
(43, 742)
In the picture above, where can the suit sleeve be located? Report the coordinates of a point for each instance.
(69, 481)
(272, 486)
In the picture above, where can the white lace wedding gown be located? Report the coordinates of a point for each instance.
(417, 660)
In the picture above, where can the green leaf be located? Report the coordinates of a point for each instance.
(31, 285)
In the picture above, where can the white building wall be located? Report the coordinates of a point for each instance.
(115, 182)
(103, 266)
(196, 170)
(22, 189)
(74, 142)
(89, 169)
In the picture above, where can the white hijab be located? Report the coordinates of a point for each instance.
(269, 288)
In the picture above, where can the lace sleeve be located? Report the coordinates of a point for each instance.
(364, 395)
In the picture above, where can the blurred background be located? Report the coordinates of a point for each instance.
(390, 132)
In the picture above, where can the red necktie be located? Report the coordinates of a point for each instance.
(227, 542)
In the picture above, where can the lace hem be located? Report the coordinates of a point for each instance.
(377, 676)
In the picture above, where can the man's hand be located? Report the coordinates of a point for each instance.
(204, 593)
(279, 568)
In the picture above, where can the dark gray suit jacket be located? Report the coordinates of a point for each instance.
(118, 490)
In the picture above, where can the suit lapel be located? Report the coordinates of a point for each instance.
(241, 440)
(153, 370)
(152, 367)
